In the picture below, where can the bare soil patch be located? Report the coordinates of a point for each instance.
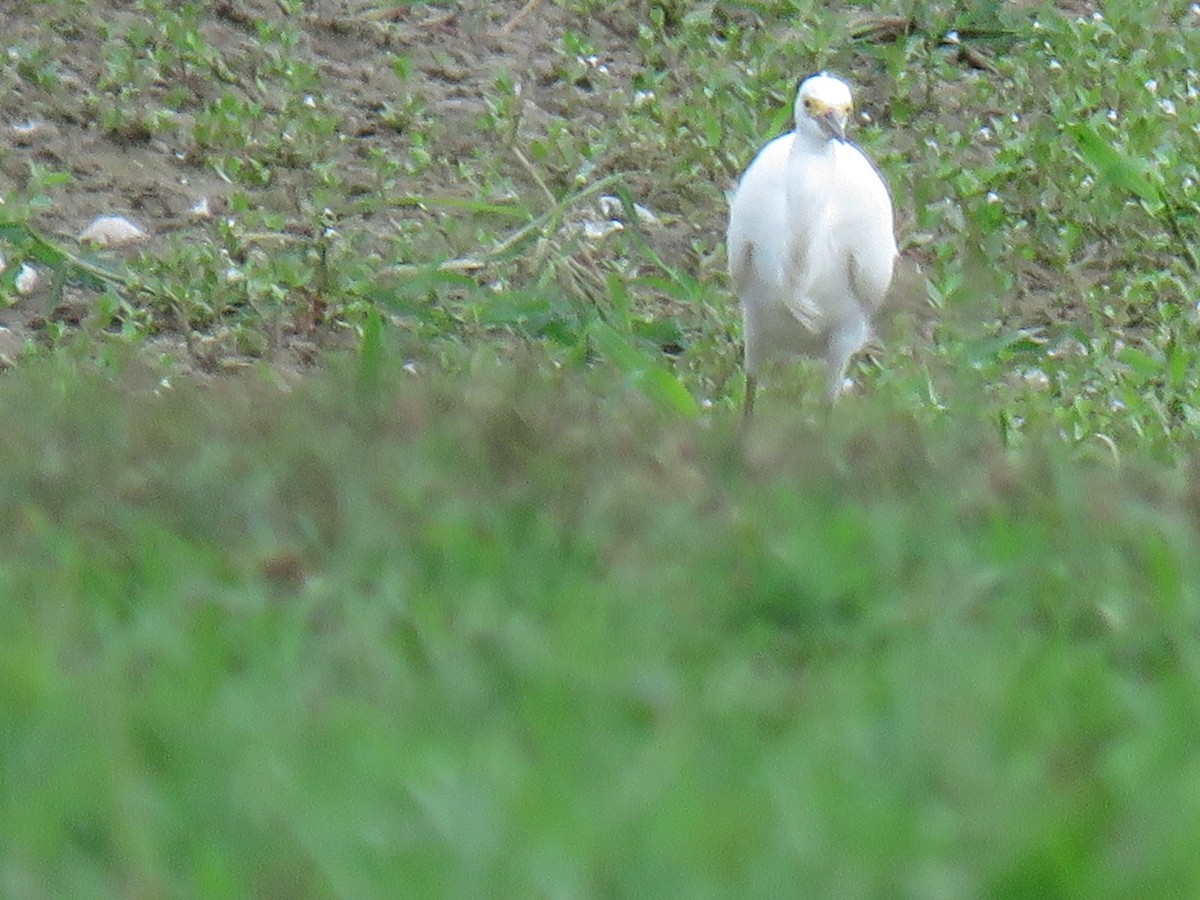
(456, 53)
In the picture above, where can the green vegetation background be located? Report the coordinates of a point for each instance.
(502, 603)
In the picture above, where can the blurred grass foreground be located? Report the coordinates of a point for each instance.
(504, 635)
(495, 600)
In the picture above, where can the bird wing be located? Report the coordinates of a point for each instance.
(869, 219)
(756, 220)
(766, 250)
(758, 248)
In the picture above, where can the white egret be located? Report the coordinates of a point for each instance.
(811, 242)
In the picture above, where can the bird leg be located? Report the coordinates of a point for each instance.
(837, 382)
(844, 342)
(748, 403)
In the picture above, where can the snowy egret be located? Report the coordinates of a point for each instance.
(811, 241)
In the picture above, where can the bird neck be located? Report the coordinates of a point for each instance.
(811, 170)
(812, 137)
(816, 148)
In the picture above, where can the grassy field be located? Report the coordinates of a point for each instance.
(390, 531)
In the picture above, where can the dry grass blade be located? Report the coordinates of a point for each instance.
(516, 20)
(533, 173)
(977, 59)
(882, 29)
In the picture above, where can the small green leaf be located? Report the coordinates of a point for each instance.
(661, 386)
(653, 378)
(370, 352)
(1116, 168)
(660, 331)
(1002, 347)
(617, 348)
(1142, 363)
(1178, 362)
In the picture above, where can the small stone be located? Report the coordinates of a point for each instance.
(27, 280)
(598, 231)
(110, 231)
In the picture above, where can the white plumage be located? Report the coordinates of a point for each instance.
(811, 241)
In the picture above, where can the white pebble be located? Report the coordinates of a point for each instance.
(597, 231)
(1037, 379)
(27, 280)
(111, 231)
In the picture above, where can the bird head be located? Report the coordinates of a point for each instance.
(823, 106)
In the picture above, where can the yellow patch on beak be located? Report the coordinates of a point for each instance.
(832, 119)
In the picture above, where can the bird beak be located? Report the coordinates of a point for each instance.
(833, 122)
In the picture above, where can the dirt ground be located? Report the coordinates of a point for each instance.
(456, 50)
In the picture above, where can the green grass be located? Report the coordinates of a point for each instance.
(499, 601)
(512, 633)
